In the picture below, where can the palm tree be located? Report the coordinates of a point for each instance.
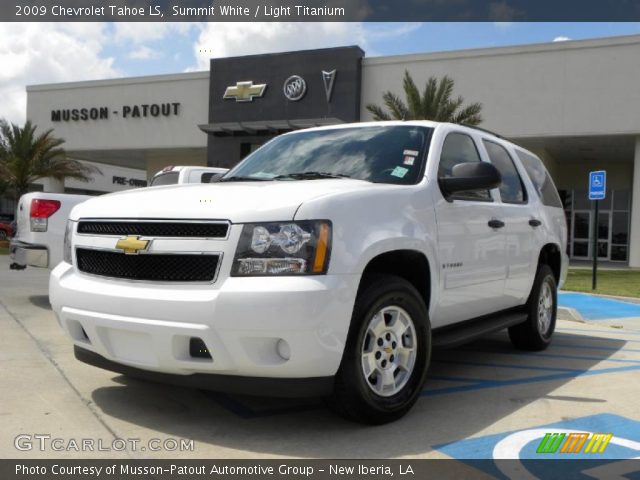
(435, 103)
(26, 157)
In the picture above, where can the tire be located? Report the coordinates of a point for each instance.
(542, 306)
(370, 394)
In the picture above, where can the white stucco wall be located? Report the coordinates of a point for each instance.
(191, 90)
(554, 89)
(634, 244)
(100, 182)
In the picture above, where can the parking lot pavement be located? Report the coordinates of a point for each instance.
(478, 400)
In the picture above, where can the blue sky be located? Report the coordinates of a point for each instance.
(38, 53)
(175, 53)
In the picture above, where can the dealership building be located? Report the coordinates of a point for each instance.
(576, 104)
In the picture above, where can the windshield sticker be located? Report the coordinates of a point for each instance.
(413, 153)
(409, 160)
(399, 172)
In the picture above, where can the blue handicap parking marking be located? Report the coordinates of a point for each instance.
(592, 307)
(522, 445)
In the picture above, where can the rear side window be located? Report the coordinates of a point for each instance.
(540, 179)
(511, 190)
(170, 178)
(460, 148)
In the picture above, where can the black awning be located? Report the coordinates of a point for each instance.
(269, 126)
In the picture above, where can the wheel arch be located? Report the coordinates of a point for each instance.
(409, 264)
(551, 255)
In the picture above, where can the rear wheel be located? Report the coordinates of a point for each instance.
(387, 353)
(536, 332)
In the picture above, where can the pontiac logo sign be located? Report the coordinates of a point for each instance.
(244, 91)
(328, 78)
(132, 244)
(294, 88)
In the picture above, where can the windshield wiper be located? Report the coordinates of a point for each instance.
(243, 179)
(310, 175)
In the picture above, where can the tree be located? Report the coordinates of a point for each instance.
(26, 157)
(435, 103)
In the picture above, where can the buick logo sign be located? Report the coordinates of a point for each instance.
(294, 88)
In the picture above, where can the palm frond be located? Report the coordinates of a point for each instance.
(378, 113)
(398, 109)
(26, 156)
(469, 115)
(411, 92)
(429, 107)
(436, 103)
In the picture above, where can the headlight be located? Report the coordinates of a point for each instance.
(68, 232)
(283, 248)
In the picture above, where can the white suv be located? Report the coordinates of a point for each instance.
(329, 262)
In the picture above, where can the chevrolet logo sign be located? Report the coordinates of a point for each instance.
(132, 244)
(244, 91)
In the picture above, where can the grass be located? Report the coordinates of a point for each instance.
(624, 283)
(4, 251)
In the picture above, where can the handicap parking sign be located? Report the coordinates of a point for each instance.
(597, 185)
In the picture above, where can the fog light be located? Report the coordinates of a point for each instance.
(198, 349)
(283, 349)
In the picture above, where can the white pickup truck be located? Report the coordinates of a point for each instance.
(329, 262)
(41, 217)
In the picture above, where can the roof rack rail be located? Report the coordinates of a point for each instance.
(475, 127)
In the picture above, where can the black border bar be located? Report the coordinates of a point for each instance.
(320, 10)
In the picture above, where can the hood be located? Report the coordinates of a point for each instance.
(239, 202)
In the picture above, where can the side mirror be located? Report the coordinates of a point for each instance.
(471, 176)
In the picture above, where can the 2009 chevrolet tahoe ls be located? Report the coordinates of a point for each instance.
(329, 262)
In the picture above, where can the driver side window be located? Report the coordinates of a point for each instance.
(460, 148)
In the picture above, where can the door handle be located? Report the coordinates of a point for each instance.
(534, 222)
(496, 223)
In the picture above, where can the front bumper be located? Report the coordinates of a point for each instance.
(25, 254)
(148, 327)
(268, 387)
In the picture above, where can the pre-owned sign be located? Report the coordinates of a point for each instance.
(144, 110)
(134, 182)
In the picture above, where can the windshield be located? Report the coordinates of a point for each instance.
(169, 178)
(384, 154)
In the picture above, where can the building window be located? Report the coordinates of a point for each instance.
(613, 225)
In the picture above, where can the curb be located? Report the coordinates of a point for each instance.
(572, 313)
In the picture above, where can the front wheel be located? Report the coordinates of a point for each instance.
(536, 332)
(387, 353)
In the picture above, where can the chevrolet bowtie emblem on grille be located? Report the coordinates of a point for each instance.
(132, 244)
(244, 91)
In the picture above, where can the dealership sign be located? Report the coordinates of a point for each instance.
(144, 110)
(133, 182)
(265, 92)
